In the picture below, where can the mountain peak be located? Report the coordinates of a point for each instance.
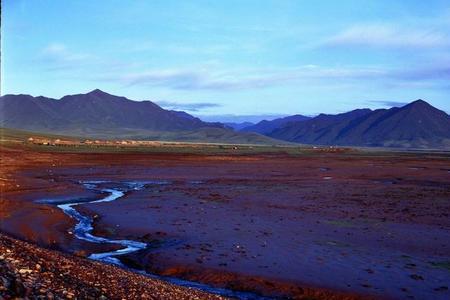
(419, 106)
(98, 93)
(419, 102)
(96, 112)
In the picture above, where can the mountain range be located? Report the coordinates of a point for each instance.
(415, 125)
(266, 127)
(238, 126)
(101, 115)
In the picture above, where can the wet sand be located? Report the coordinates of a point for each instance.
(321, 224)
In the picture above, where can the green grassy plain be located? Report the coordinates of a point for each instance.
(14, 137)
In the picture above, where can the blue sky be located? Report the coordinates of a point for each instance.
(222, 60)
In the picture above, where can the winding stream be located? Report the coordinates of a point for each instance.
(83, 229)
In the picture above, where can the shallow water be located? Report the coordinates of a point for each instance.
(83, 229)
(368, 265)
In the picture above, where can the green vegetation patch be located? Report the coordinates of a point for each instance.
(441, 264)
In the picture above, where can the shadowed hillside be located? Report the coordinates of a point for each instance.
(101, 115)
(266, 127)
(416, 125)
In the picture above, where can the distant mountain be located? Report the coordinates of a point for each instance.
(102, 115)
(416, 125)
(94, 110)
(266, 127)
(238, 126)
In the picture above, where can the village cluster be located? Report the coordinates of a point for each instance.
(61, 142)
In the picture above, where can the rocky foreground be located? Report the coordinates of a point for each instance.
(27, 271)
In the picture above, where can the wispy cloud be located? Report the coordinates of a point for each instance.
(58, 56)
(192, 107)
(216, 78)
(389, 36)
(183, 79)
(436, 71)
(199, 80)
(431, 76)
(389, 103)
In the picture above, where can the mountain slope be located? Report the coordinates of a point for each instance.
(93, 110)
(417, 125)
(318, 130)
(266, 127)
(101, 115)
(238, 126)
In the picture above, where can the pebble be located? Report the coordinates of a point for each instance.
(30, 272)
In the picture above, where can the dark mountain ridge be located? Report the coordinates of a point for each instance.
(95, 109)
(238, 126)
(102, 115)
(415, 125)
(266, 127)
(99, 114)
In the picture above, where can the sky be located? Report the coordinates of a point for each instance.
(231, 60)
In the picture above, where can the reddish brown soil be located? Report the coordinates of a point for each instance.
(373, 225)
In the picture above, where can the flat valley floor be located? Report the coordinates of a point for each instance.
(320, 223)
